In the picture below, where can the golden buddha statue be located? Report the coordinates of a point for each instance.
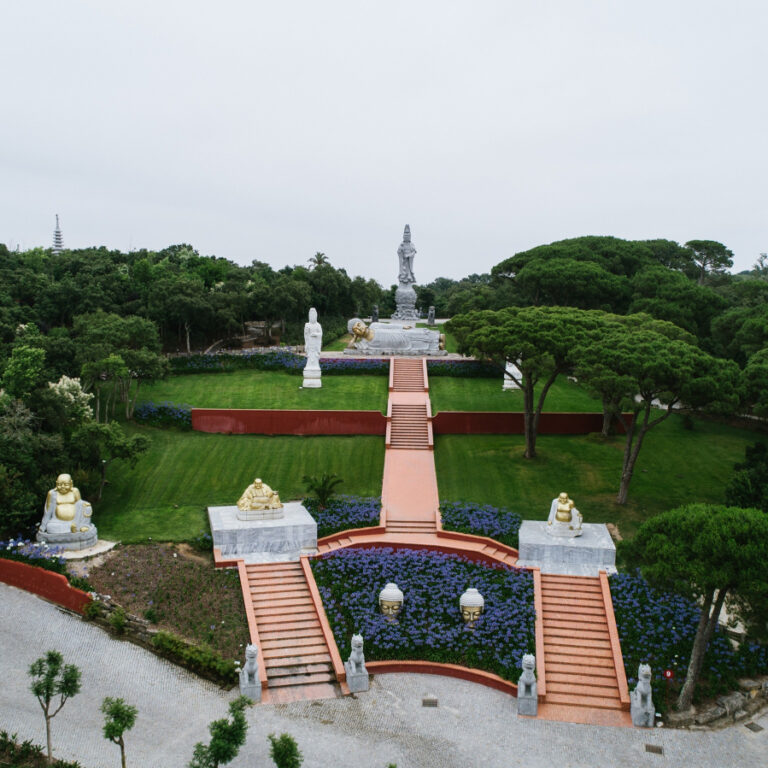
(67, 518)
(258, 496)
(564, 507)
(564, 519)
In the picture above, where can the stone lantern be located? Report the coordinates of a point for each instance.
(391, 600)
(471, 604)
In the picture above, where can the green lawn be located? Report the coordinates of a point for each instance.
(453, 394)
(337, 345)
(165, 495)
(270, 389)
(676, 466)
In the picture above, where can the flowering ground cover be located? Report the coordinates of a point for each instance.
(163, 414)
(177, 592)
(429, 627)
(481, 520)
(658, 628)
(27, 551)
(344, 512)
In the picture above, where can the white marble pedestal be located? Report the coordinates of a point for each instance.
(264, 541)
(312, 378)
(583, 555)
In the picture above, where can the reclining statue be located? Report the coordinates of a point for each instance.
(394, 339)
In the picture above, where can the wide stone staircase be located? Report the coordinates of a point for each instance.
(296, 657)
(407, 375)
(409, 427)
(578, 654)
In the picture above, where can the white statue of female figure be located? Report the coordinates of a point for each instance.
(313, 342)
(405, 253)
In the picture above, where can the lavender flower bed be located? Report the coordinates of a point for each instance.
(481, 520)
(344, 512)
(164, 414)
(658, 628)
(463, 369)
(429, 627)
(27, 551)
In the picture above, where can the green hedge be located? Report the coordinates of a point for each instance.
(198, 658)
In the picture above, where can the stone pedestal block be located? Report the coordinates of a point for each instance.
(67, 540)
(264, 541)
(312, 378)
(357, 681)
(585, 555)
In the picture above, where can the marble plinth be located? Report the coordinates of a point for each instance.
(585, 555)
(358, 682)
(69, 540)
(312, 378)
(264, 541)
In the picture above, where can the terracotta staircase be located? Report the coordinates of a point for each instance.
(407, 375)
(578, 655)
(296, 657)
(409, 427)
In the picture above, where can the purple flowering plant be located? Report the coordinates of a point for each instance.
(343, 512)
(481, 520)
(658, 628)
(27, 551)
(429, 626)
(164, 414)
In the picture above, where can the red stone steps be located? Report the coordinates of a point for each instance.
(296, 657)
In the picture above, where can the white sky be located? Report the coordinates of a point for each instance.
(271, 130)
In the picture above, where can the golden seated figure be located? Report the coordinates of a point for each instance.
(259, 502)
(564, 519)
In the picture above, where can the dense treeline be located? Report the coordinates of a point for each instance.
(106, 318)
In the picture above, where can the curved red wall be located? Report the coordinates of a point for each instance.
(52, 586)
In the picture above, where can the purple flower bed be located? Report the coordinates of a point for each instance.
(481, 520)
(28, 551)
(463, 369)
(344, 512)
(164, 414)
(429, 627)
(658, 628)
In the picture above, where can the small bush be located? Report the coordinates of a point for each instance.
(118, 621)
(78, 582)
(198, 658)
(203, 542)
(284, 751)
(27, 754)
(151, 615)
(92, 611)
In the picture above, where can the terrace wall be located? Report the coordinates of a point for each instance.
(241, 421)
(48, 584)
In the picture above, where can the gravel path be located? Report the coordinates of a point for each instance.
(473, 726)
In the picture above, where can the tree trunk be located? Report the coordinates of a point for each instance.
(628, 466)
(122, 752)
(103, 479)
(707, 624)
(48, 738)
(528, 419)
(607, 421)
(187, 329)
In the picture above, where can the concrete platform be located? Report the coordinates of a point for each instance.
(584, 555)
(264, 541)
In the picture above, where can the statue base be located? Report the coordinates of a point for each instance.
(564, 530)
(405, 301)
(70, 540)
(264, 541)
(260, 514)
(587, 555)
(358, 682)
(312, 378)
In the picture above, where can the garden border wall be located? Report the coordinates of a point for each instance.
(47, 584)
(248, 421)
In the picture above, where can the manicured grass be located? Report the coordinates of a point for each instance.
(676, 466)
(337, 345)
(454, 394)
(269, 389)
(165, 495)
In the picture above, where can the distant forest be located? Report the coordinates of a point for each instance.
(80, 330)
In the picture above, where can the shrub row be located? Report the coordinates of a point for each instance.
(198, 658)
(164, 414)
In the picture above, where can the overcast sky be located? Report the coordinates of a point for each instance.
(272, 130)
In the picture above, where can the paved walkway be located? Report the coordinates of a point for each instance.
(473, 725)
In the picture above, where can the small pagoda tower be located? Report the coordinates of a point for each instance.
(58, 240)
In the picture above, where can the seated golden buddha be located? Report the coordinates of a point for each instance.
(258, 495)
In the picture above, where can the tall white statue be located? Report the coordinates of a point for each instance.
(405, 295)
(313, 342)
(405, 254)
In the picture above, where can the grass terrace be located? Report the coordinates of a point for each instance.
(165, 495)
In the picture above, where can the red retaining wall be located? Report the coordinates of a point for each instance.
(241, 421)
(52, 586)
(505, 423)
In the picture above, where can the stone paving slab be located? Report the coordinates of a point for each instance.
(471, 726)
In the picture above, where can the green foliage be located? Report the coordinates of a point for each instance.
(227, 736)
(27, 755)
(322, 487)
(705, 552)
(23, 371)
(119, 718)
(284, 751)
(198, 658)
(52, 678)
(78, 582)
(118, 620)
(749, 485)
(92, 611)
